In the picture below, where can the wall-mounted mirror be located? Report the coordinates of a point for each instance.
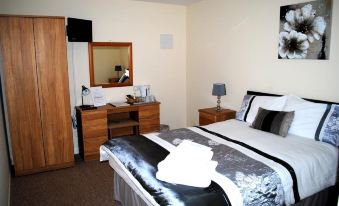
(110, 64)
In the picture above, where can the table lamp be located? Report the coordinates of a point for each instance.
(219, 90)
(118, 68)
(84, 92)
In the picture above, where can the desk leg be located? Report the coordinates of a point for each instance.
(136, 130)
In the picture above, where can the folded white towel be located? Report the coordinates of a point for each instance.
(193, 146)
(186, 176)
(191, 151)
(188, 154)
(183, 163)
(188, 164)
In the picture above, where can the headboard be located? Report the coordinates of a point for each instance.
(278, 95)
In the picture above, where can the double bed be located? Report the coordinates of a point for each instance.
(254, 167)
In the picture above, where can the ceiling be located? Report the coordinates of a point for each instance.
(178, 2)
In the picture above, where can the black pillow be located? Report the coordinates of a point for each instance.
(275, 122)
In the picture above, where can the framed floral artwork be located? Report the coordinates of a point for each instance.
(305, 30)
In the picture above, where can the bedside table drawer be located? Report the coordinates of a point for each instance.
(205, 119)
(210, 115)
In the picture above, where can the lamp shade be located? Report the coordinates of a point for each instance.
(85, 91)
(118, 68)
(219, 89)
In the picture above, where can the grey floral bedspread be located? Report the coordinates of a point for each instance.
(258, 183)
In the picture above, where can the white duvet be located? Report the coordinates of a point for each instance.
(315, 163)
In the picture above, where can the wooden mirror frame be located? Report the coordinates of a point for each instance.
(91, 63)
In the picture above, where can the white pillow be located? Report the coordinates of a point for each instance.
(307, 116)
(266, 102)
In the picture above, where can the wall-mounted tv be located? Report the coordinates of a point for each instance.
(79, 30)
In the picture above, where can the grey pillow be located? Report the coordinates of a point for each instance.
(275, 122)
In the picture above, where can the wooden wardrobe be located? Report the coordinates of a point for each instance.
(35, 79)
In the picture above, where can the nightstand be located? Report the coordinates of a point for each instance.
(210, 115)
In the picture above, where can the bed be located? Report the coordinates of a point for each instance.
(255, 167)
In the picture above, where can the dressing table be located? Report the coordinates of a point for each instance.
(97, 126)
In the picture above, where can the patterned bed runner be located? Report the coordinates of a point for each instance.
(140, 156)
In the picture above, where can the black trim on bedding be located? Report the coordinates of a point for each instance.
(321, 123)
(262, 94)
(248, 108)
(227, 199)
(279, 95)
(282, 162)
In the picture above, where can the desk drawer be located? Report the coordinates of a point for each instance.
(149, 112)
(95, 133)
(151, 125)
(91, 146)
(94, 124)
(149, 119)
(94, 115)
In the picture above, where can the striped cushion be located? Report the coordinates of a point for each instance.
(251, 104)
(275, 122)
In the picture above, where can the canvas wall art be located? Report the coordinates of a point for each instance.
(305, 30)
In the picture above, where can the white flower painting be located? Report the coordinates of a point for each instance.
(305, 30)
(293, 45)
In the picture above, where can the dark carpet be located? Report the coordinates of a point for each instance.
(87, 183)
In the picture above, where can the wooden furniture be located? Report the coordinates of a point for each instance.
(36, 91)
(113, 80)
(210, 115)
(100, 62)
(97, 126)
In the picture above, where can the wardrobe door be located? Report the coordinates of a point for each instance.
(21, 90)
(50, 45)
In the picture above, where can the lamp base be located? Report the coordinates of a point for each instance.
(218, 109)
(87, 107)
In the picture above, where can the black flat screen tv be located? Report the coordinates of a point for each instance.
(79, 30)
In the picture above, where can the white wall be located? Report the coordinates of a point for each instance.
(236, 42)
(126, 21)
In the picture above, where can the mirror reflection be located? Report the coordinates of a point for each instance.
(111, 64)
